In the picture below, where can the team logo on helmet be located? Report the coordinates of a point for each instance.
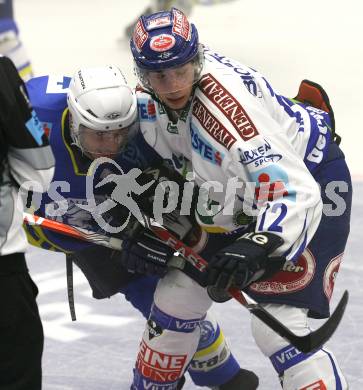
(113, 115)
(181, 25)
(162, 42)
(163, 21)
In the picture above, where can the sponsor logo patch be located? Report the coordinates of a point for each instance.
(147, 111)
(204, 148)
(319, 385)
(47, 128)
(230, 107)
(272, 183)
(162, 42)
(159, 366)
(140, 35)
(292, 277)
(35, 128)
(212, 125)
(154, 329)
(207, 334)
(187, 325)
(267, 190)
(162, 21)
(113, 115)
(181, 25)
(317, 153)
(259, 156)
(156, 386)
(217, 360)
(330, 275)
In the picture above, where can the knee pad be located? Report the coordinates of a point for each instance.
(317, 370)
(172, 332)
(167, 346)
(292, 317)
(213, 364)
(181, 297)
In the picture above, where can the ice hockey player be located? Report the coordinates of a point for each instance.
(91, 116)
(263, 157)
(10, 44)
(25, 156)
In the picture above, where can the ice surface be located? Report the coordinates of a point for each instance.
(287, 41)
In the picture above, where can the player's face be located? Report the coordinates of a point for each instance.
(173, 86)
(102, 143)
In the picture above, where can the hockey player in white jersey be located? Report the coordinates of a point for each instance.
(201, 108)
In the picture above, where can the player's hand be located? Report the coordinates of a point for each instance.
(144, 253)
(244, 261)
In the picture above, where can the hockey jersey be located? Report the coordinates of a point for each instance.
(25, 156)
(69, 187)
(251, 149)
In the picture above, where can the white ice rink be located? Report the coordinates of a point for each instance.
(287, 41)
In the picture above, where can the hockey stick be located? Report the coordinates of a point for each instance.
(72, 231)
(306, 344)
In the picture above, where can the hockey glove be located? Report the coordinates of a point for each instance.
(145, 254)
(154, 202)
(244, 261)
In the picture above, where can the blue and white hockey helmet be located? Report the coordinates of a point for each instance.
(164, 40)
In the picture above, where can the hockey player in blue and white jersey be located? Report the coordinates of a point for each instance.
(262, 157)
(91, 116)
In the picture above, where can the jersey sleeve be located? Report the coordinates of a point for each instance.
(278, 189)
(29, 154)
(48, 97)
(281, 192)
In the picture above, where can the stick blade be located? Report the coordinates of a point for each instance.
(320, 336)
(311, 341)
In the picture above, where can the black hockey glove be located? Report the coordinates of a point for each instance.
(145, 254)
(159, 194)
(244, 261)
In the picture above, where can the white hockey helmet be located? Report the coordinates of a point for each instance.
(100, 99)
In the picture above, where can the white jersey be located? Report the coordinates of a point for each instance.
(238, 130)
(26, 159)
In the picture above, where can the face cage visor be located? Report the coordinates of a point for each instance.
(106, 143)
(173, 79)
